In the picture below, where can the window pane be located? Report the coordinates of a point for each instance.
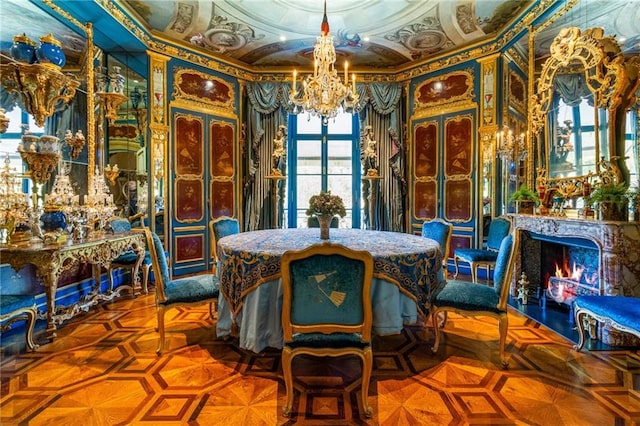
(341, 124)
(587, 117)
(306, 186)
(308, 158)
(341, 185)
(340, 157)
(308, 124)
(15, 123)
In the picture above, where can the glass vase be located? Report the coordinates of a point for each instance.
(325, 223)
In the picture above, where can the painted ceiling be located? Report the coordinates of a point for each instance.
(369, 33)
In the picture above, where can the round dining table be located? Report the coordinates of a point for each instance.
(407, 268)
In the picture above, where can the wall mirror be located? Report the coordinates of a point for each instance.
(578, 112)
(125, 138)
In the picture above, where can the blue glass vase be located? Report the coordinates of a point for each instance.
(50, 52)
(23, 49)
(53, 220)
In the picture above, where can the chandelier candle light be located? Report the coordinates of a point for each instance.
(323, 93)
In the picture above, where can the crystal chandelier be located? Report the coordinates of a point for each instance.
(323, 93)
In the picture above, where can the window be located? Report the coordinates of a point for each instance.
(323, 157)
(18, 120)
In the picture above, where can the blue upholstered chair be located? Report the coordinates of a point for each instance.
(486, 257)
(129, 259)
(326, 309)
(19, 307)
(188, 291)
(440, 231)
(218, 228)
(470, 299)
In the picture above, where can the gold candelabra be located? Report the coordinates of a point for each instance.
(40, 87)
(14, 204)
(509, 145)
(99, 205)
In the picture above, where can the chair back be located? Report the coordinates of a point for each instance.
(326, 289)
(221, 227)
(120, 225)
(440, 231)
(504, 268)
(158, 262)
(498, 229)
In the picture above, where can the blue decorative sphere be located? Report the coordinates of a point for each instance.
(53, 220)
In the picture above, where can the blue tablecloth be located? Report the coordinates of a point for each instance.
(406, 269)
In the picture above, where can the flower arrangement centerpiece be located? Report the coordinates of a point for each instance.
(325, 206)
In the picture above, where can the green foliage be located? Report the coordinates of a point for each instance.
(525, 193)
(614, 193)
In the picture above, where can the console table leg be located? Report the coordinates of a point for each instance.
(50, 290)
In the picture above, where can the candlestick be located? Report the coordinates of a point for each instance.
(295, 73)
(346, 78)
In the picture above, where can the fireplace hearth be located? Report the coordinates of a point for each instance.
(565, 257)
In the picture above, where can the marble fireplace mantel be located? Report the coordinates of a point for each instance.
(618, 242)
(619, 254)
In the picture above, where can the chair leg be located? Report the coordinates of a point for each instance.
(455, 263)
(287, 357)
(160, 330)
(436, 330)
(367, 366)
(474, 272)
(503, 325)
(145, 278)
(32, 315)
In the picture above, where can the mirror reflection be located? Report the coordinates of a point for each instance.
(125, 162)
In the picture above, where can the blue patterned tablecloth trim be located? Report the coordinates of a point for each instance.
(248, 259)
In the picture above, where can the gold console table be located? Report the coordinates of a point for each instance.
(51, 260)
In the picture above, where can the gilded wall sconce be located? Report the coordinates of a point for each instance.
(76, 142)
(41, 154)
(111, 102)
(40, 87)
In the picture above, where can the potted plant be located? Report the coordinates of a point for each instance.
(525, 199)
(611, 201)
(325, 206)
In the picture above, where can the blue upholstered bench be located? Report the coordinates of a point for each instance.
(622, 313)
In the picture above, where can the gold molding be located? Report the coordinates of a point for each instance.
(180, 96)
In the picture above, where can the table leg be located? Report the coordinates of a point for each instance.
(50, 281)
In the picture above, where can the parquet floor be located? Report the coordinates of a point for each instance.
(102, 370)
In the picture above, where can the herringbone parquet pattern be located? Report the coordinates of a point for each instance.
(102, 370)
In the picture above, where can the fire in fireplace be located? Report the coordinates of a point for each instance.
(562, 269)
(569, 282)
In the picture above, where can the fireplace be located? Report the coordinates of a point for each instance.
(564, 257)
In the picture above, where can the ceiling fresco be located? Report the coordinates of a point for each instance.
(373, 34)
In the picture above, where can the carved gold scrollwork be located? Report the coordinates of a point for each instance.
(39, 87)
(613, 80)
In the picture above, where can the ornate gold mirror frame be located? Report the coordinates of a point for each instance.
(613, 80)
